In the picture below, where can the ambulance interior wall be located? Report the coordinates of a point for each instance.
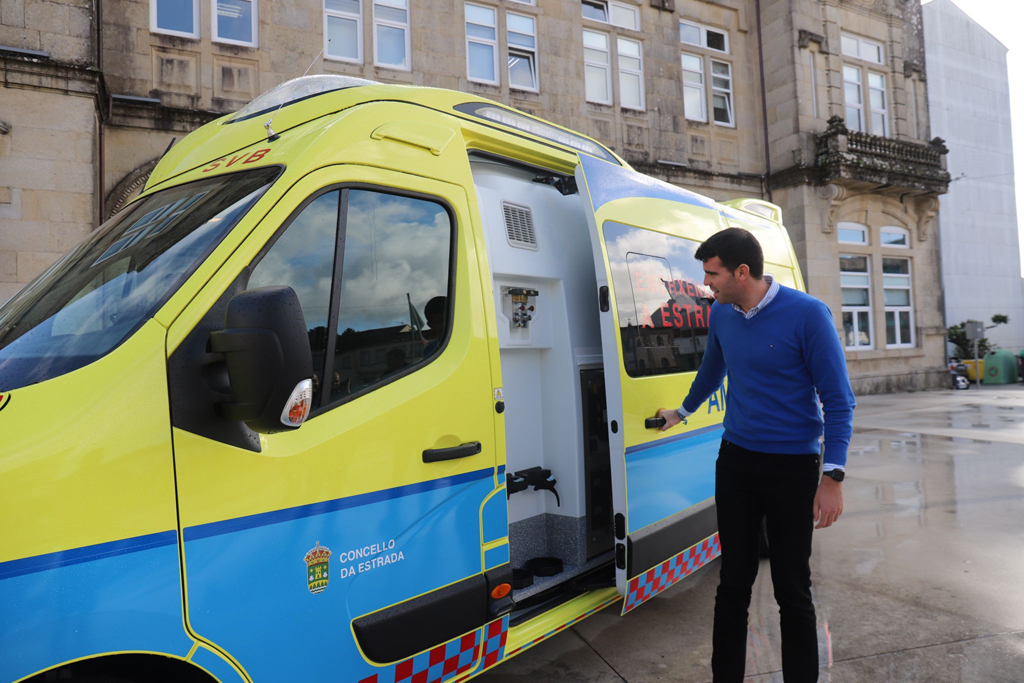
(541, 364)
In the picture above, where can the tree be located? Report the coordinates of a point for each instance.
(957, 335)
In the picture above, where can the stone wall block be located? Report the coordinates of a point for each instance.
(8, 290)
(25, 236)
(12, 13)
(80, 23)
(31, 263)
(17, 36)
(8, 266)
(52, 17)
(67, 48)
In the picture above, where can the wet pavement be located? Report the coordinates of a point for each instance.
(922, 579)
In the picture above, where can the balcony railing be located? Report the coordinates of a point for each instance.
(845, 155)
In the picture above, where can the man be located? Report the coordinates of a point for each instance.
(781, 352)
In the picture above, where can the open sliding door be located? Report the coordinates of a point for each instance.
(654, 326)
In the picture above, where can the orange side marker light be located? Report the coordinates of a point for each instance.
(501, 590)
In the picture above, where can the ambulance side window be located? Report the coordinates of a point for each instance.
(660, 298)
(396, 286)
(303, 258)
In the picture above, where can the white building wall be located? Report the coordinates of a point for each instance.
(969, 104)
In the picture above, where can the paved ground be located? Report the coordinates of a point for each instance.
(922, 579)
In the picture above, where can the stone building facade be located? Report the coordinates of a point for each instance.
(691, 91)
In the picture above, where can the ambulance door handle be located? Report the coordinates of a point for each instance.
(463, 451)
(654, 423)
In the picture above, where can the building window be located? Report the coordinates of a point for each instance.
(854, 98)
(899, 314)
(614, 13)
(855, 281)
(721, 93)
(703, 36)
(695, 103)
(852, 233)
(861, 48)
(895, 237)
(343, 30)
(597, 67)
(482, 44)
(174, 17)
(879, 105)
(235, 22)
(631, 73)
(391, 33)
(522, 51)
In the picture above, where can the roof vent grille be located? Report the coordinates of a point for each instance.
(519, 226)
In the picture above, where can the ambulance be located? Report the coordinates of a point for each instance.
(361, 388)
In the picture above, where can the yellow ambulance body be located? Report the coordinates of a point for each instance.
(494, 308)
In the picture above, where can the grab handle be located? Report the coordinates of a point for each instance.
(654, 423)
(453, 453)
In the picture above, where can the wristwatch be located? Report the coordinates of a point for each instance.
(838, 475)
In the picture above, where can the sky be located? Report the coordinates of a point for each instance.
(1003, 18)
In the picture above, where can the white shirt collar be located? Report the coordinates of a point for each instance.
(773, 289)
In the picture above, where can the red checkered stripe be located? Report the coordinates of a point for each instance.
(448, 660)
(562, 627)
(645, 586)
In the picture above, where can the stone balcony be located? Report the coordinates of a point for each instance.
(847, 157)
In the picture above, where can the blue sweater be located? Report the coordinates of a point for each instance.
(779, 363)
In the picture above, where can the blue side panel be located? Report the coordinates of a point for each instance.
(608, 182)
(670, 475)
(495, 557)
(495, 518)
(118, 596)
(216, 665)
(384, 550)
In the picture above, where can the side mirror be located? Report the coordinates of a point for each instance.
(265, 346)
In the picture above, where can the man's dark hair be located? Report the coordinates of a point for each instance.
(734, 247)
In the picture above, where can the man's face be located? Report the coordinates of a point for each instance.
(720, 280)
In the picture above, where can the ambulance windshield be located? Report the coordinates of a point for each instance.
(100, 292)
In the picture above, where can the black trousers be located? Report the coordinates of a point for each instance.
(750, 486)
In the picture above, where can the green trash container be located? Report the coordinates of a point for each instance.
(1000, 367)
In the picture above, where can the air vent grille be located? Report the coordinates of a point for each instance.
(519, 226)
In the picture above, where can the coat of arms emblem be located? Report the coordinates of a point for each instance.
(317, 568)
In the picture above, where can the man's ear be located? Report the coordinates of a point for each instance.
(742, 271)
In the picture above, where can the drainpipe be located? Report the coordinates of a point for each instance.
(104, 116)
(764, 99)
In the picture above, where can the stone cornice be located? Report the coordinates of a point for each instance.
(45, 73)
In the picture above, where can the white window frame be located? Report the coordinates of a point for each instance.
(703, 36)
(722, 91)
(153, 28)
(607, 66)
(227, 41)
(855, 310)
(862, 125)
(406, 27)
(532, 53)
(609, 5)
(846, 225)
(858, 53)
(623, 70)
(525, 2)
(493, 44)
(892, 229)
(702, 87)
(896, 310)
(884, 111)
(359, 33)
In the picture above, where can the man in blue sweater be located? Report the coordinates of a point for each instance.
(782, 354)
